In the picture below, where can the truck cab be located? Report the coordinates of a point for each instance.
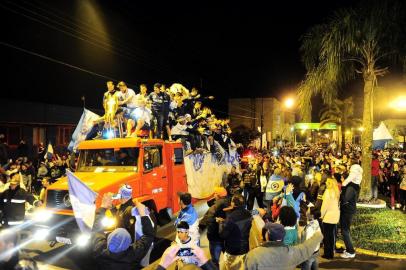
(153, 168)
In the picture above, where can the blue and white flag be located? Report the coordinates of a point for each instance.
(50, 152)
(82, 129)
(83, 203)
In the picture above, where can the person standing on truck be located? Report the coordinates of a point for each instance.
(122, 212)
(115, 251)
(188, 214)
(157, 108)
(12, 202)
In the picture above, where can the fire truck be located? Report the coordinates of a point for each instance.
(153, 168)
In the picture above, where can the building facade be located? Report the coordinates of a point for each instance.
(269, 113)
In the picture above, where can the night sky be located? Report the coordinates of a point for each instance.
(227, 49)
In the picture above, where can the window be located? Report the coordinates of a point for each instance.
(178, 154)
(124, 159)
(152, 157)
(64, 135)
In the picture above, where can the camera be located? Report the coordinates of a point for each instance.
(182, 252)
(254, 212)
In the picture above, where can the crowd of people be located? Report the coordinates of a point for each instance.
(170, 113)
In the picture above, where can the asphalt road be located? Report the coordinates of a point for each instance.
(68, 257)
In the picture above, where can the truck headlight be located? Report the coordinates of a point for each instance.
(108, 222)
(42, 215)
(82, 240)
(41, 234)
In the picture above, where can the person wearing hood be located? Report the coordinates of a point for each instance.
(348, 206)
(115, 251)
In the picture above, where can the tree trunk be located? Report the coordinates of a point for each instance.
(342, 139)
(339, 137)
(366, 139)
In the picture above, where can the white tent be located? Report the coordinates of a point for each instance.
(382, 133)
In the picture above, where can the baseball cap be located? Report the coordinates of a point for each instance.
(125, 192)
(222, 192)
(276, 231)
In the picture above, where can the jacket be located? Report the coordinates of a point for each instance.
(278, 256)
(12, 203)
(330, 211)
(236, 231)
(209, 219)
(349, 197)
(124, 218)
(129, 259)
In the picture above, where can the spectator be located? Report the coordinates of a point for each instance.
(12, 202)
(115, 251)
(184, 242)
(235, 231)
(375, 176)
(233, 182)
(46, 181)
(288, 219)
(330, 214)
(122, 212)
(157, 108)
(274, 254)
(189, 215)
(348, 206)
(216, 243)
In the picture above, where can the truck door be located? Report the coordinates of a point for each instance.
(178, 173)
(154, 179)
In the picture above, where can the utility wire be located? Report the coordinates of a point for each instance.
(92, 30)
(235, 115)
(73, 35)
(58, 61)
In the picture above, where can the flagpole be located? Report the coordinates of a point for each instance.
(84, 102)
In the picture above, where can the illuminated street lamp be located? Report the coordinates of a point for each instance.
(289, 102)
(399, 104)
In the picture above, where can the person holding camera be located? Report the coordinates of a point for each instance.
(115, 251)
(185, 243)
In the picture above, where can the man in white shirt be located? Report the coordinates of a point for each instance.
(126, 96)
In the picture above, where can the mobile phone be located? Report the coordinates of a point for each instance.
(182, 252)
(254, 212)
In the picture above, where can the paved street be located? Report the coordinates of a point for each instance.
(66, 257)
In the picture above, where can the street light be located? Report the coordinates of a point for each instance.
(289, 102)
(399, 104)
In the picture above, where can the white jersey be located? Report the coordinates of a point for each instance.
(132, 102)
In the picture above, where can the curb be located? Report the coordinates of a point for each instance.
(374, 253)
(380, 205)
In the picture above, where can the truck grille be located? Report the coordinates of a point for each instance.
(58, 199)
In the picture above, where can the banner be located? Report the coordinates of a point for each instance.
(83, 200)
(82, 129)
(50, 152)
(206, 171)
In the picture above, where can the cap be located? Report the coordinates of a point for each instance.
(125, 192)
(276, 231)
(119, 240)
(185, 197)
(220, 191)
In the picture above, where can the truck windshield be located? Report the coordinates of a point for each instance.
(108, 160)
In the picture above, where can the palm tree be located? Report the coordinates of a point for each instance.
(341, 113)
(364, 40)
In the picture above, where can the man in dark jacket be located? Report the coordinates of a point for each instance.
(348, 207)
(122, 212)
(235, 230)
(12, 202)
(115, 251)
(216, 243)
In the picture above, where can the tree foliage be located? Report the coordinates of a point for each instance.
(242, 134)
(364, 41)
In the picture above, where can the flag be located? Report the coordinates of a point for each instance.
(82, 129)
(50, 152)
(83, 203)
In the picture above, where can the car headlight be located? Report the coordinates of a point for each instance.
(108, 222)
(42, 215)
(82, 240)
(41, 234)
